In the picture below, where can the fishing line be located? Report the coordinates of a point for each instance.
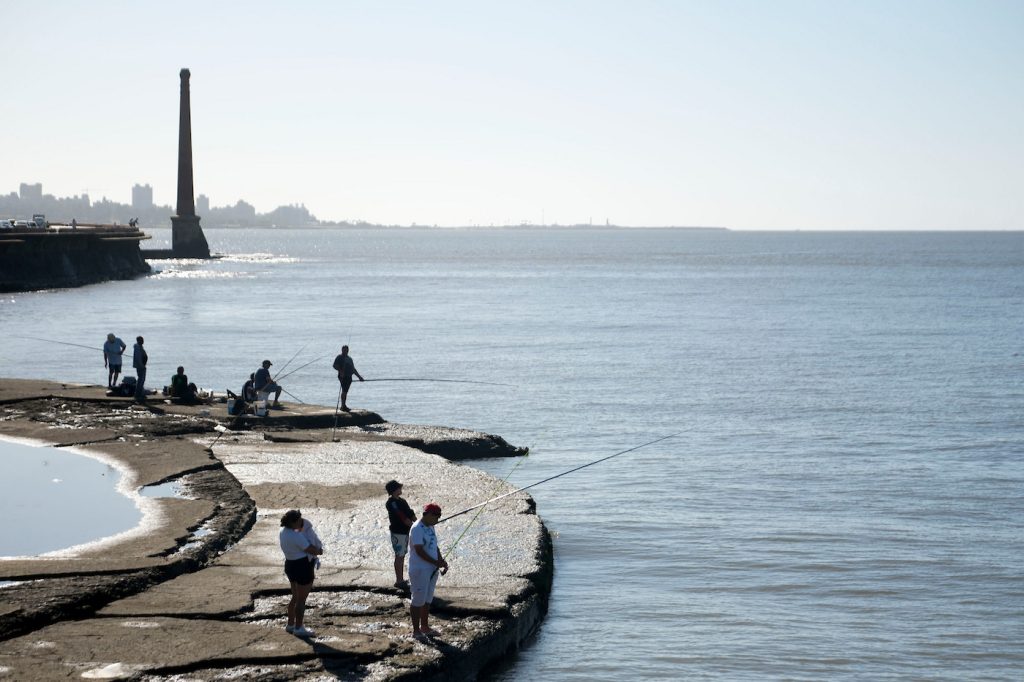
(481, 510)
(63, 343)
(564, 473)
(450, 381)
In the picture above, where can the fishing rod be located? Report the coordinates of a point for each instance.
(317, 359)
(63, 343)
(564, 473)
(293, 395)
(450, 381)
(290, 361)
(337, 408)
(481, 509)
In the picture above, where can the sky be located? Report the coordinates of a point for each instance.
(788, 114)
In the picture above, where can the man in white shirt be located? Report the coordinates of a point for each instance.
(425, 562)
(113, 350)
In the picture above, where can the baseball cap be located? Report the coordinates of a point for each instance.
(432, 508)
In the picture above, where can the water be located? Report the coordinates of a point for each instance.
(44, 487)
(846, 500)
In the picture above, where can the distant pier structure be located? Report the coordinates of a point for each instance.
(187, 238)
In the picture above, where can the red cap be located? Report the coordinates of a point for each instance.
(432, 508)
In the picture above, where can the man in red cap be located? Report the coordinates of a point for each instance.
(425, 562)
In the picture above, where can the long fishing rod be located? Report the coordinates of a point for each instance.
(63, 343)
(317, 359)
(290, 360)
(450, 381)
(293, 395)
(551, 478)
(481, 509)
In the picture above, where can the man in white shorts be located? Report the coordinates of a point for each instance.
(400, 520)
(425, 562)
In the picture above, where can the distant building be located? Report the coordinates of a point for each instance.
(142, 197)
(202, 205)
(31, 192)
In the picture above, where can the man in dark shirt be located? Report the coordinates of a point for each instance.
(139, 360)
(346, 369)
(182, 390)
(401, 517)
(249, 389)
(263, 383)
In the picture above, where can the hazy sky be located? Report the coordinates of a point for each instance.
(762, 114)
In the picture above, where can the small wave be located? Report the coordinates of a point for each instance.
(257, 258)
(202, 274)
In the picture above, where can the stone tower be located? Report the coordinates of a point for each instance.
(187, 238)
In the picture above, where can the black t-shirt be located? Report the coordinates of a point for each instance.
(398, 510)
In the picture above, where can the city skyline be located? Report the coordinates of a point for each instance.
(791, 115)
(30, 199)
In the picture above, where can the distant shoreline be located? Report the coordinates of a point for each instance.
(366, 226)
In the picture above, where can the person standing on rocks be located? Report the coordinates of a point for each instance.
(139, 360)
(299, 553)
(346, 368)
(400, 519)
(425, 562)
(113, 349)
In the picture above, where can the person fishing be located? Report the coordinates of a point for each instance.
(346, 368)
(113, 349)
(139, 360)
(425, 561)
(263, 383)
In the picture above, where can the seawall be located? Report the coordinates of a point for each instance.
(48, 259)
(202, 594)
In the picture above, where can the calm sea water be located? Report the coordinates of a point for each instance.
(845, 500)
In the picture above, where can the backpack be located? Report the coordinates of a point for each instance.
(127, 387)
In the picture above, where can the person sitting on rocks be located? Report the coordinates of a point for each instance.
(182, 390)
(249, 389)
(263, 383)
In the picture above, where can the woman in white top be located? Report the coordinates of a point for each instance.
(299, 553)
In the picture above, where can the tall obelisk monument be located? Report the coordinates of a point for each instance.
(187, 238)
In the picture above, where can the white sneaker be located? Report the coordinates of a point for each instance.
(302, 632)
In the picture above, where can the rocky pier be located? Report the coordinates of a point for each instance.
(197, 592)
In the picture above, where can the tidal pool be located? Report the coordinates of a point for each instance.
(55, 498)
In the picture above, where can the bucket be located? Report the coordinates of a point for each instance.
(261, 408)
(231, 405)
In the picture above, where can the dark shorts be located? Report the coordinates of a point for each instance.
(299, 571)
(345, 383)
(115, 368)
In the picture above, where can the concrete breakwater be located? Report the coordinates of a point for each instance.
(48, 259)
(171, 600)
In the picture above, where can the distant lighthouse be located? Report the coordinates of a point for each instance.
(187, 238)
